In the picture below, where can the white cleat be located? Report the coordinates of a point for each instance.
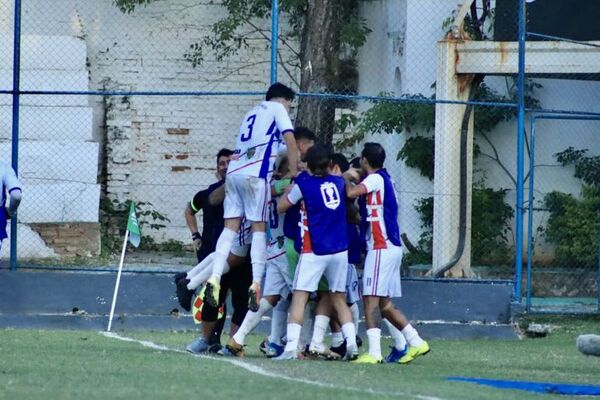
(286, 355)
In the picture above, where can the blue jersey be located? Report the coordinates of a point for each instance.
(323, 213)
(355, 244)
(379, 208)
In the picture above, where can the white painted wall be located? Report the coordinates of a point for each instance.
(142, 51)
(417, 26)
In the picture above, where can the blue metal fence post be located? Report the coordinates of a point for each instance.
(520, 151)
(274, 36)
(530, 214)
(15, 122)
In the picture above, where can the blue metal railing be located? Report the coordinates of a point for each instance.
(530, 239)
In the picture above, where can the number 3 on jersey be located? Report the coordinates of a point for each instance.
(246, 136)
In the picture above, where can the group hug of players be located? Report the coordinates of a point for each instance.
(306, 217)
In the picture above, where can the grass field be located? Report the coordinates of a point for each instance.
(88, 365)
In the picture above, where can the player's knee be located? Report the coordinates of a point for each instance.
(209, 314)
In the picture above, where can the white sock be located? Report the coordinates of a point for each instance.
(307, 325)
(279, 321)
(319, 330)
(222, 252)
(251, 320)
(258, 255)
(337, 339)
(399, 340)
(412, 336)
(349, 334)
(293, 334)
(203, 276)
(374, 335)
(201, 266)
(355, 315)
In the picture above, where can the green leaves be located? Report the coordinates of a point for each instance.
(573, 227)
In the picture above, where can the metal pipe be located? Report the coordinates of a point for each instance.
(274, 36)
(15, 122)
(520, 151)
(530, 213)
(464, 159)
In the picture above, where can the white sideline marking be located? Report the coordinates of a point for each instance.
(255, 369)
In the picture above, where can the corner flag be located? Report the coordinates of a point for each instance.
(133, 234)
(133, 227)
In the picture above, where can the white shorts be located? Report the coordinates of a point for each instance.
(381, 275)
(312, 267)
(277, 279)
(241, 243)
(352, 290)
(247, 196)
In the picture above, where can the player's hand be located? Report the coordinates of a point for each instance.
(197, 244)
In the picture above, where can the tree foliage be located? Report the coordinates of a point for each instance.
(573, 223)
(324, 60)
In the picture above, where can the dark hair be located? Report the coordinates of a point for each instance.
(281, 162)
(355, 162)
(318, 159)
(224, 153)
(280, 90)
(374, 153)
(341, 161)
(302, 132)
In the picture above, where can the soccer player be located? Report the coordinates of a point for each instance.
(324, 318)
(212, 216)
(305, 139)
(277, 280)
(247, 188)
(381, 277)
(324, 247)
(210, 201)
(12, 186)
(212, 225)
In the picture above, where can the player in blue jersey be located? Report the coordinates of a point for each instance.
(324, 247)
(11, 186)
(381, 277)
(247, 188)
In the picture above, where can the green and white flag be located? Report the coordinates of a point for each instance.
(133, 227)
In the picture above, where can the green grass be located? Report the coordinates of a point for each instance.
(87, 365)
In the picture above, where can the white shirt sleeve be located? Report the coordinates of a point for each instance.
(373, 183)
(282, 118)
(9, 179)
(295, 195)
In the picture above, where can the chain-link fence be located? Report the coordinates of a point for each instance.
(131, 100)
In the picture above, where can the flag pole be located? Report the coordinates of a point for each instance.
(114, 299)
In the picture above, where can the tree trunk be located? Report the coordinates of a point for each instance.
(319, 47)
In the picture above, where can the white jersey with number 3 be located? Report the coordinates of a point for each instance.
(259, 140)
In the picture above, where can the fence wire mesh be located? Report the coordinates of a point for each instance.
(131, 100)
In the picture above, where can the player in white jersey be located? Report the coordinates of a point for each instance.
(12, 187)
(277, 280)
(247, 190)
(381, 277)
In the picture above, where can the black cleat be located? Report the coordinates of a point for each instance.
(184, 295)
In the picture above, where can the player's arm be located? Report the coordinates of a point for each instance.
(292, 152)
(12, 184)
(352, 190)
(284, 124)
(217, 196)
(191, 209)
(292, 196)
